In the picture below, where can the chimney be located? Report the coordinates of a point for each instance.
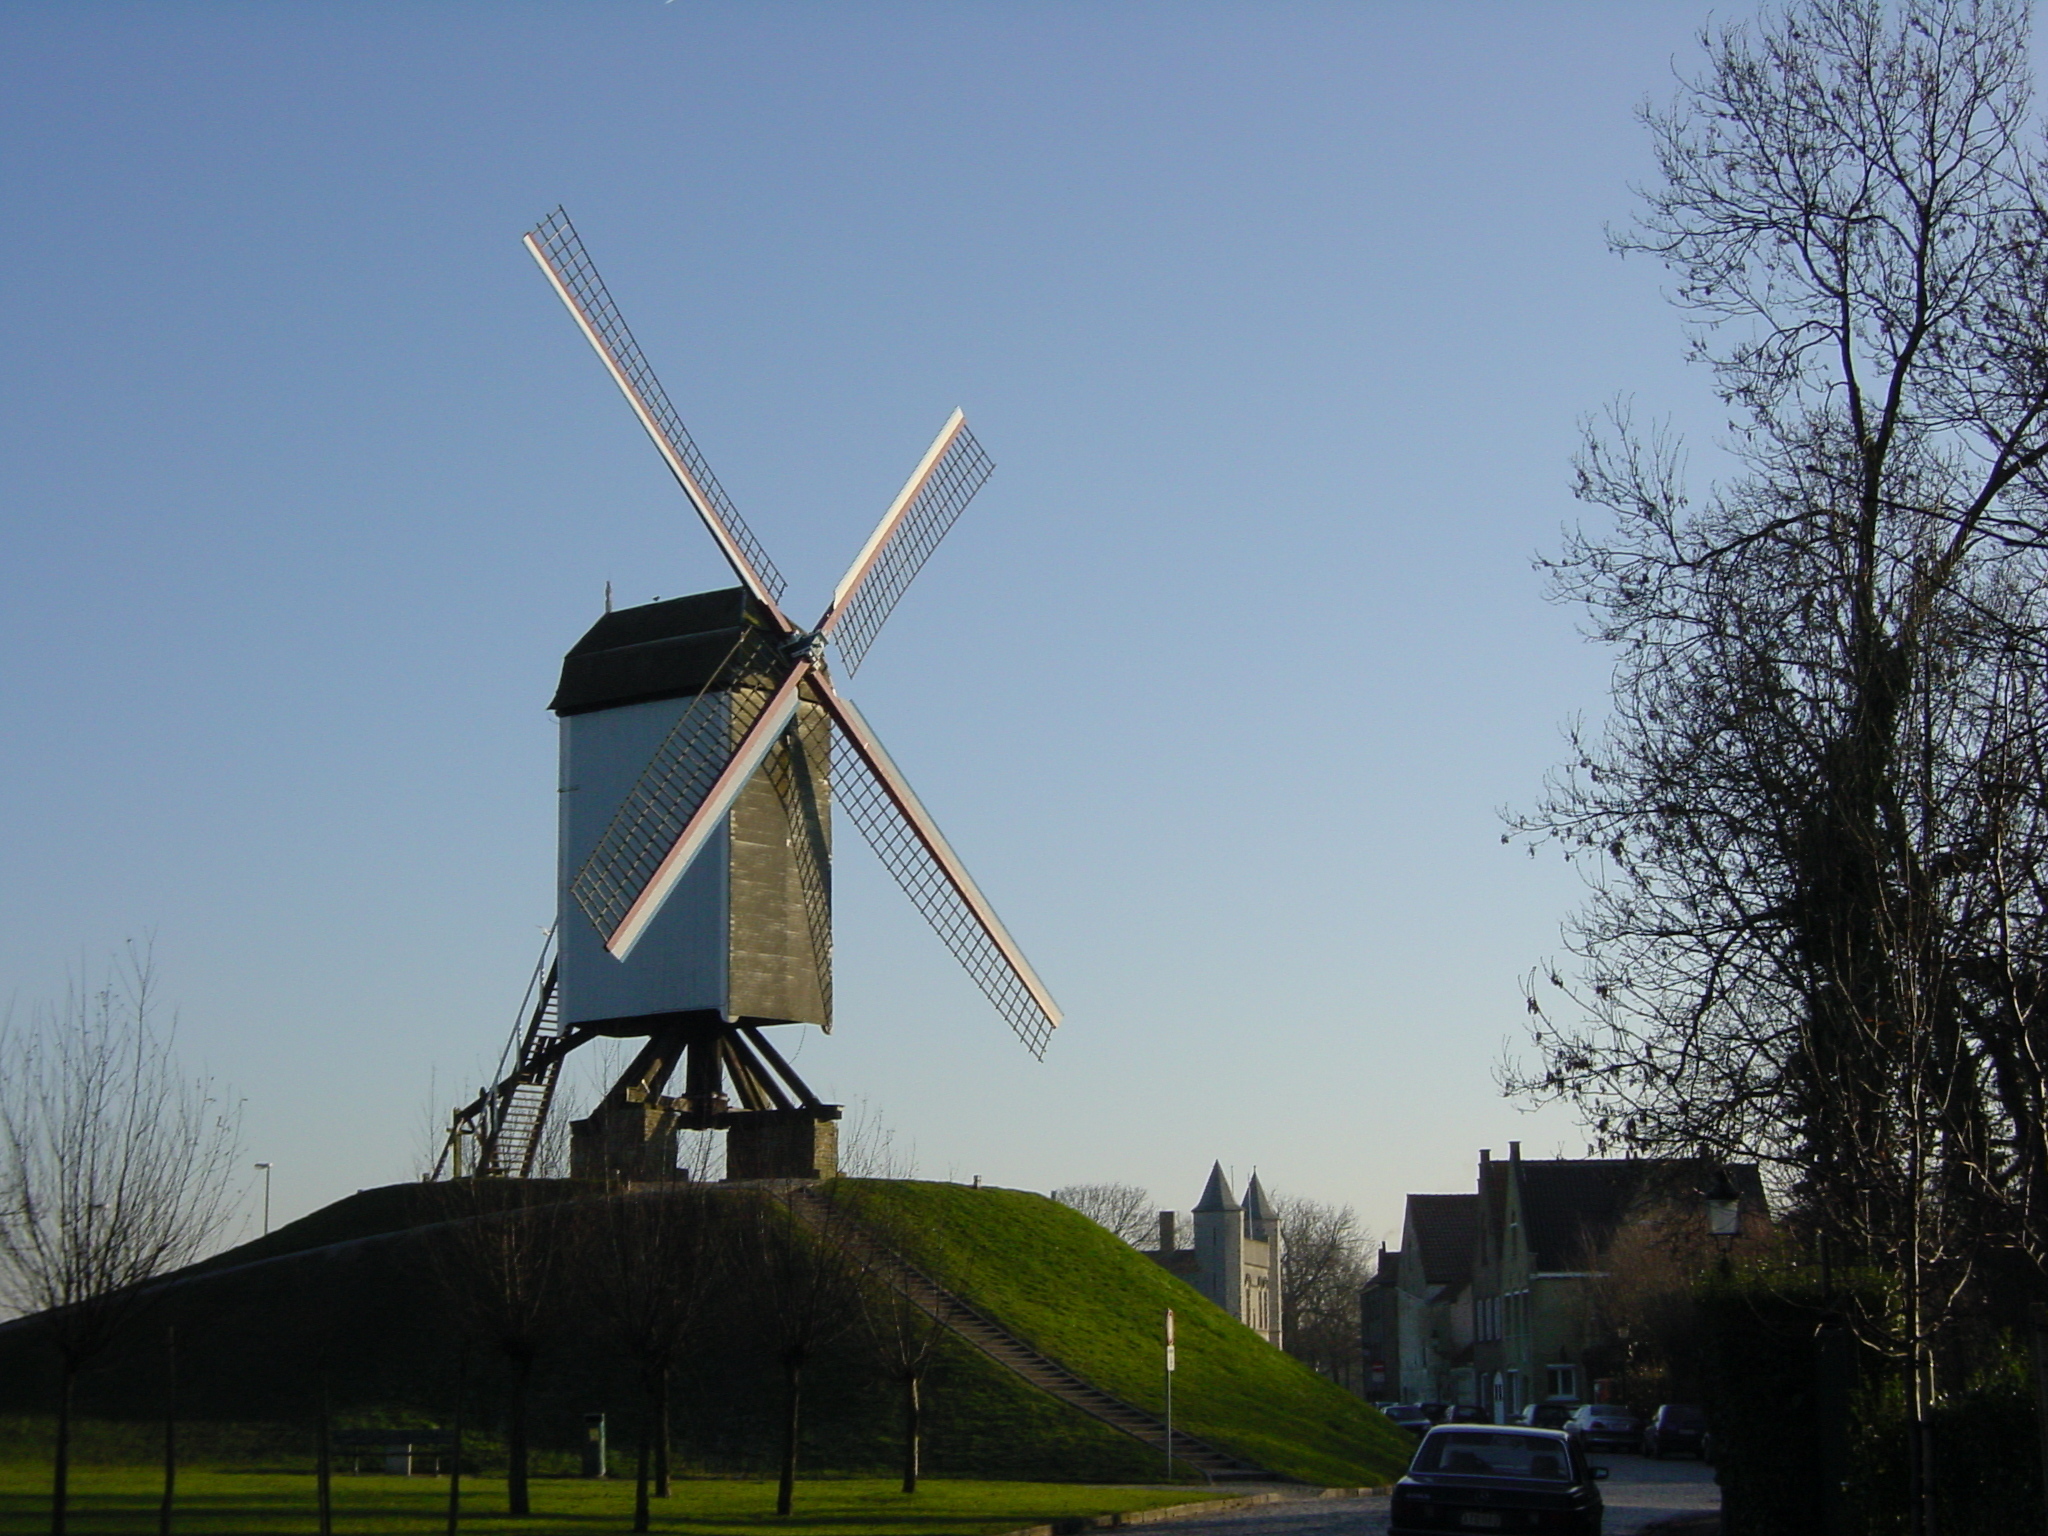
(1514, 1152)
(1167, 1243)
(1485, 1156)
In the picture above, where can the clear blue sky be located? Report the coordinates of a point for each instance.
(1277, 319)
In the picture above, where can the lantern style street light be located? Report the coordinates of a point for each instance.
(1724, 1213)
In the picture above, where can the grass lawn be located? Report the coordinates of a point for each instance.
(1062, 1283)
(110, 1500)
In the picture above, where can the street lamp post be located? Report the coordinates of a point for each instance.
(1724, 1214)
(264, 1169)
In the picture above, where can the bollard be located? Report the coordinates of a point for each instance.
(593, 1445)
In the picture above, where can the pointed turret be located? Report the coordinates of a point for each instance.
(1261, 1220)
(1217, 1197)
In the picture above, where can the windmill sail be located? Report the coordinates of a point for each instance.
(870, 789)
(555, 244)
(931, 501)
(683, 792)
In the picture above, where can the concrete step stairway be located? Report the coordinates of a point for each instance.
(890, 1268)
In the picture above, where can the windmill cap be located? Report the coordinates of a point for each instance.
(658, 651)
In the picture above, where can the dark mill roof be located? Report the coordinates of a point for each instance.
(663, 650)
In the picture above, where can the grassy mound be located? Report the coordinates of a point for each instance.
(347, 1301)
(1074, 1292)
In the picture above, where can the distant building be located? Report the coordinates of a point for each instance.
(1488, 1301)
(1235, 1261)
(1379, 1329)
(1433, 1298)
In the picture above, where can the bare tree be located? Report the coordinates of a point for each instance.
(502, 1263)
(1817, 845)
(1324, 1265)
(868, 1148)
(1123, 1210)
(805, 1292)
(114, 1169)
(649, 1263)
(904, 1336)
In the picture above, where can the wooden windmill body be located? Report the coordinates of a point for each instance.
(705, 752)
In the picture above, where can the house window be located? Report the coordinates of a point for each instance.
(1563, 1380)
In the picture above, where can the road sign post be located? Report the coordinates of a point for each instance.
(1169, 1394)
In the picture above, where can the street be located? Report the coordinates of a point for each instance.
(1637, 1492)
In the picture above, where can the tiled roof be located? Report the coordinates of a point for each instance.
(1571, 1206)
(1443, 1234)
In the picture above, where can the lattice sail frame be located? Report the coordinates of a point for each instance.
(960, 470)
(559, 249)
(674, 784)
(726, 734)
(863, 797)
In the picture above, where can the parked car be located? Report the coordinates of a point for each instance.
(1482, 1478)
(1679, 1427)
(1408, 1415)
(1548, 1414)
(1436, 1411)
(1607, 1426)
(1468, 1413)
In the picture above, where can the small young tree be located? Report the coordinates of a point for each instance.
(805, 1292)
(648, 1263)
(905, 1339)
(114, 1169)
(500, 1263)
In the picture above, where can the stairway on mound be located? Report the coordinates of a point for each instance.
(1006, 1349)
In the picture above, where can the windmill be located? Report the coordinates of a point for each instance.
(705, 750)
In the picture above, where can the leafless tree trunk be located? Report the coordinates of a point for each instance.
(805, 1291)
(501, 1264)
(648, 1264)
(1817, 934)
(905, 1340)
(1323, 1267)
(114, 1169)
(1123, 1210)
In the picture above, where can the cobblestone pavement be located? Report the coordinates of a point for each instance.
(1637, 1492)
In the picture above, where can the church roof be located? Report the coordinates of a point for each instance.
(1257, 1204)
(1217, 1197)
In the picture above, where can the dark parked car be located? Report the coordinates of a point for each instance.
(1473, 1478)
(1550, 1414)
(1409, 1416)
(1676, 1427)
(1468, 1413)
(1605, 1426)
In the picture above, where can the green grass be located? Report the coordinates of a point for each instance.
(123, 1500)
(1077, 1294)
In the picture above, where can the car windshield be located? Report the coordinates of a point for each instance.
(1494, 1454)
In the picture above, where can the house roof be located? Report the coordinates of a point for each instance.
(1571, 1206)
(1443, 1233)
